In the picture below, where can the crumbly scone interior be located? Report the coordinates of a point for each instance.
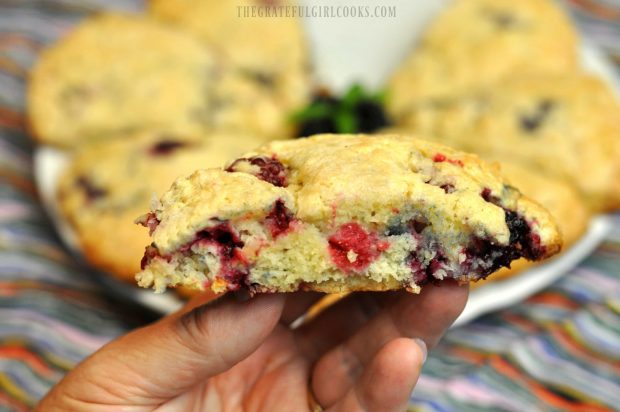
(388, 213)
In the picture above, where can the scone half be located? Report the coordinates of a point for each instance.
(342, 213)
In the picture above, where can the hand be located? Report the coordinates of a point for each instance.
(359, 354)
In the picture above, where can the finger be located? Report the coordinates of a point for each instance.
(425, 316)
(340, 321)
(297, 304)
(325, 303)
(199, 299)
(345, 318)
(171, 356)
(388, 381)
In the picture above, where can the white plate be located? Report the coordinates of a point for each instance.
(348, 50)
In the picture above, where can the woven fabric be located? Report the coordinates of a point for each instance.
(557, 351)
(52, 313)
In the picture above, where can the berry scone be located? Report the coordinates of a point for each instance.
(115, 74)
(557, 195)
(109, 183)
(566, 125)
(476, 42)
(268, 52)
(338, 213)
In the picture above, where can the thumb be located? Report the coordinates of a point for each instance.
(167, 358)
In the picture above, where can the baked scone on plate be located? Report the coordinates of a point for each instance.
(118, 73)
(338, 213)
(261, 44)
(555, 194)
(566, 125)
(270, 52)
(476, 42)
(107, 184)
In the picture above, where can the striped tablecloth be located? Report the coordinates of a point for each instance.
(559, 350)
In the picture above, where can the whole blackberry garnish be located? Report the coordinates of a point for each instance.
(318, 116)
(357, 111)
(370, 116)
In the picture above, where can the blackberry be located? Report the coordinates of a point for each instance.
(316, 126)
(370, 116)
(92, 191)
(533, 121)
(356, 111)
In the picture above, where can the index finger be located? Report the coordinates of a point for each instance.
(426, 316)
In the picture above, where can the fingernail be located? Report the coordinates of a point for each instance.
(242, 295)
(423, 348)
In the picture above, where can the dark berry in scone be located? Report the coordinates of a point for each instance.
(559, 196)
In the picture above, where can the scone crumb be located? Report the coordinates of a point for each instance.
(351, 256)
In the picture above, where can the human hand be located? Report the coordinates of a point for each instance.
(362, 353)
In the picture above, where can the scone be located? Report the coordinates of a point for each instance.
(475, 42)
(563, 125)
(117, 74)
(338, 213)
(108, 184)
(244, 102)
(557, 195)
(270, 52)
(261, 44)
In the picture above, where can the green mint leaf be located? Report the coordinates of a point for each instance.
(345, 122)
(314, 111)
(353, 96)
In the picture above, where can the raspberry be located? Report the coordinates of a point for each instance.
(150, 253)
(352, 248)
(234, 265)
(440, 157)
(279, 219)
(448, 188)
(149, 220)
